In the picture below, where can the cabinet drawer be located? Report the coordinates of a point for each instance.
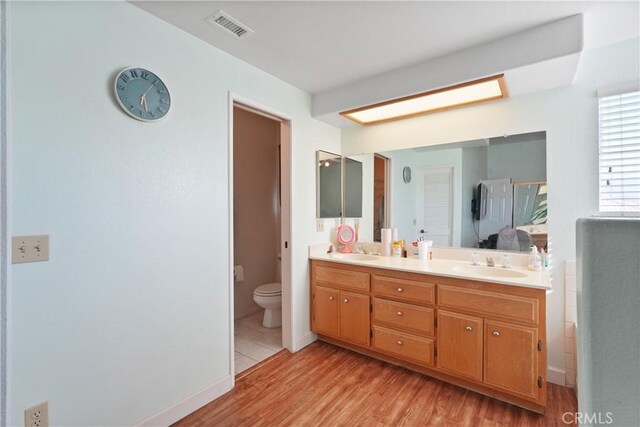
(416, 318)
(507, 306)
(356, 280)
(404, 290)
(409, 347)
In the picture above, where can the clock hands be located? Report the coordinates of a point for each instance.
(143, 98)
(148, 89)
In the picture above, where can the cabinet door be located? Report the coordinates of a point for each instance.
(460, 345)
(511, 358)
(354, 318)
(326, 311)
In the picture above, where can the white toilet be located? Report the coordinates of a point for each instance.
(269, 297)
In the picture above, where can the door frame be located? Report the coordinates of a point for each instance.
(286, 232)
(5, 210)
(387, 190)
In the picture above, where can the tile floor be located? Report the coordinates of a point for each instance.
(254, 342)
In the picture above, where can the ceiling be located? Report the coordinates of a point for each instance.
(320, 45)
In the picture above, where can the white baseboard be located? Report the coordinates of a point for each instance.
(189, 404)
(247, 313)
(555, 376)
(304, 341)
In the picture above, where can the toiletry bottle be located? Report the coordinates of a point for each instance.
(397, 248)
(532, 251)
(535, 262)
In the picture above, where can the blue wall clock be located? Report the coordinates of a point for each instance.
(142, 94)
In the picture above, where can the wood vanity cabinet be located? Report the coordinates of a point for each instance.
(404, 318)
(460, 345)
(338, 312)
(511, 358)
(482, 336)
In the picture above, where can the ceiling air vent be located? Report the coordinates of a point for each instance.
(229, 24)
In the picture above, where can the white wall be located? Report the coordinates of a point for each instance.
(569, 116)
(4, 197)
(131, 313)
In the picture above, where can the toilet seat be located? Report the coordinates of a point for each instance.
(269, 290)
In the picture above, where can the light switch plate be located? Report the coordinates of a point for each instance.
(29, 249)
(319, 225)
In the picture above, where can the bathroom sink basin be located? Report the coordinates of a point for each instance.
(355, 257)
(478, 270)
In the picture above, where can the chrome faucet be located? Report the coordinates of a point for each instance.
(505, 261)
(475, 258)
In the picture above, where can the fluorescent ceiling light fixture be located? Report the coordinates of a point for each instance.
(473, 92)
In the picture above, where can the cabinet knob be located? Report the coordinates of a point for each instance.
(400, 290)
(496, 333)
(399, 342)
(331, 298)
(399, 313)
(469, 328)
(346, 300)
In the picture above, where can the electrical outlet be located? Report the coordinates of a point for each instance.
(29, 249)
(319, 225)
(37, 416)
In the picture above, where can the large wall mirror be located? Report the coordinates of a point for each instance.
(488, 193)
(329, 185)
(339, 182)
(353, 185)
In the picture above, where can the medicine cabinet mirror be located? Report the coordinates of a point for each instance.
(338, 186)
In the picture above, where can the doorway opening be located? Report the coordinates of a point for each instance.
(260, 235)
(380, 196)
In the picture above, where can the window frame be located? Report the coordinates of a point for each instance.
(623, 89)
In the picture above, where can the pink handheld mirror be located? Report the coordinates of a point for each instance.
(346, 235)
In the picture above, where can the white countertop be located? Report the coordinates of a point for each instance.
(442, 267)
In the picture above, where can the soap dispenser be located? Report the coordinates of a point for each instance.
(535, 262)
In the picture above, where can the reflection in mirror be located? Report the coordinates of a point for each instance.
(530, 211)
(466, 193)
(329, 185)
(530, 204)
(380, 196)
(352, 188)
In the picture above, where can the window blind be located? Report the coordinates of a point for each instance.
(620, 153)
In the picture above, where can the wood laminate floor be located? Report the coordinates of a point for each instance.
(324, 385)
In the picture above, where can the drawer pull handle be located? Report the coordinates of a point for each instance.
(400, 290)
(469, 328)
(496, 333)
(399, 342)
(346, 301)
(399, 313)
(331, 298)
